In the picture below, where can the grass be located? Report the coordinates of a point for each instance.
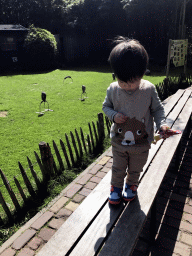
(22, 129)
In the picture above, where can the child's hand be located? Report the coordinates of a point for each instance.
(163, 130)
(120, 118)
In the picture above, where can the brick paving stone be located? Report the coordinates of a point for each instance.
(105, 169)
(85, 191)
(188, 209)
(95, 179)
(46, 233)
(95, 169)
(39, 223)
(72, 206)
(73, 190)
(104, 160)
(35, 243)
(187, 217)
(84, 179)
(8, 252)
(109, 153)
(108, 165)
(59, 204)
(63, 213)
(101, 174)
(182, 249)
(26, 252)
(186, 238)
(78, 198)
(90, 185)
(186, 226)
(56, 223)
(23, 239)
(190, 200)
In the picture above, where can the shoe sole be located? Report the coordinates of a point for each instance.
(113, 202)
(128, 200)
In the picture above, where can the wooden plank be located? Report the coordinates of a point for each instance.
(69, 232)
(91, 242)
(136, 211)
(170, 120)
(173, 101)
(75, 226)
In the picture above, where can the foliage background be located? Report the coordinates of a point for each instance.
(151, 22)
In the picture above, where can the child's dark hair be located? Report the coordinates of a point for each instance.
(128, 59)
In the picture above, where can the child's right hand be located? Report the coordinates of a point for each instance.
(120, 118)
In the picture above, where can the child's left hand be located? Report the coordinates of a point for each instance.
(163, 131)
(166, 132)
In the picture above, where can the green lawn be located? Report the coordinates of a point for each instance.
(22, 129)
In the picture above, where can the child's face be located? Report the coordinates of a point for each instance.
(129, 86)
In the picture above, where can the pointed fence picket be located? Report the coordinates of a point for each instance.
(69, 153)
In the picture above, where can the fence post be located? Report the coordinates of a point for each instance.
(65, 154)
(5, 207)
(101, 126)
(20, 190)
(27, 182)
(46, 158)
(34, 174)
(10, 191)
(58, 157)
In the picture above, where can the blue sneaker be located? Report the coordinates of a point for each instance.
(115, 195)
(130, 192)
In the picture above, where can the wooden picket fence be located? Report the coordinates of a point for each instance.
(71, 153)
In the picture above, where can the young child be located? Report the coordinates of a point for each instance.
(133, 105)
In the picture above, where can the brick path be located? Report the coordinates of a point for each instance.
(174, 212)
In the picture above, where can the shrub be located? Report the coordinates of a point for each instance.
(40, 49)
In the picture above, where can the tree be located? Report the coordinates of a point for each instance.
(41, 48)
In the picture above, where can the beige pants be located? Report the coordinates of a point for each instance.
(127, 163)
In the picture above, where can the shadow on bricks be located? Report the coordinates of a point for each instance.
(174, 211)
